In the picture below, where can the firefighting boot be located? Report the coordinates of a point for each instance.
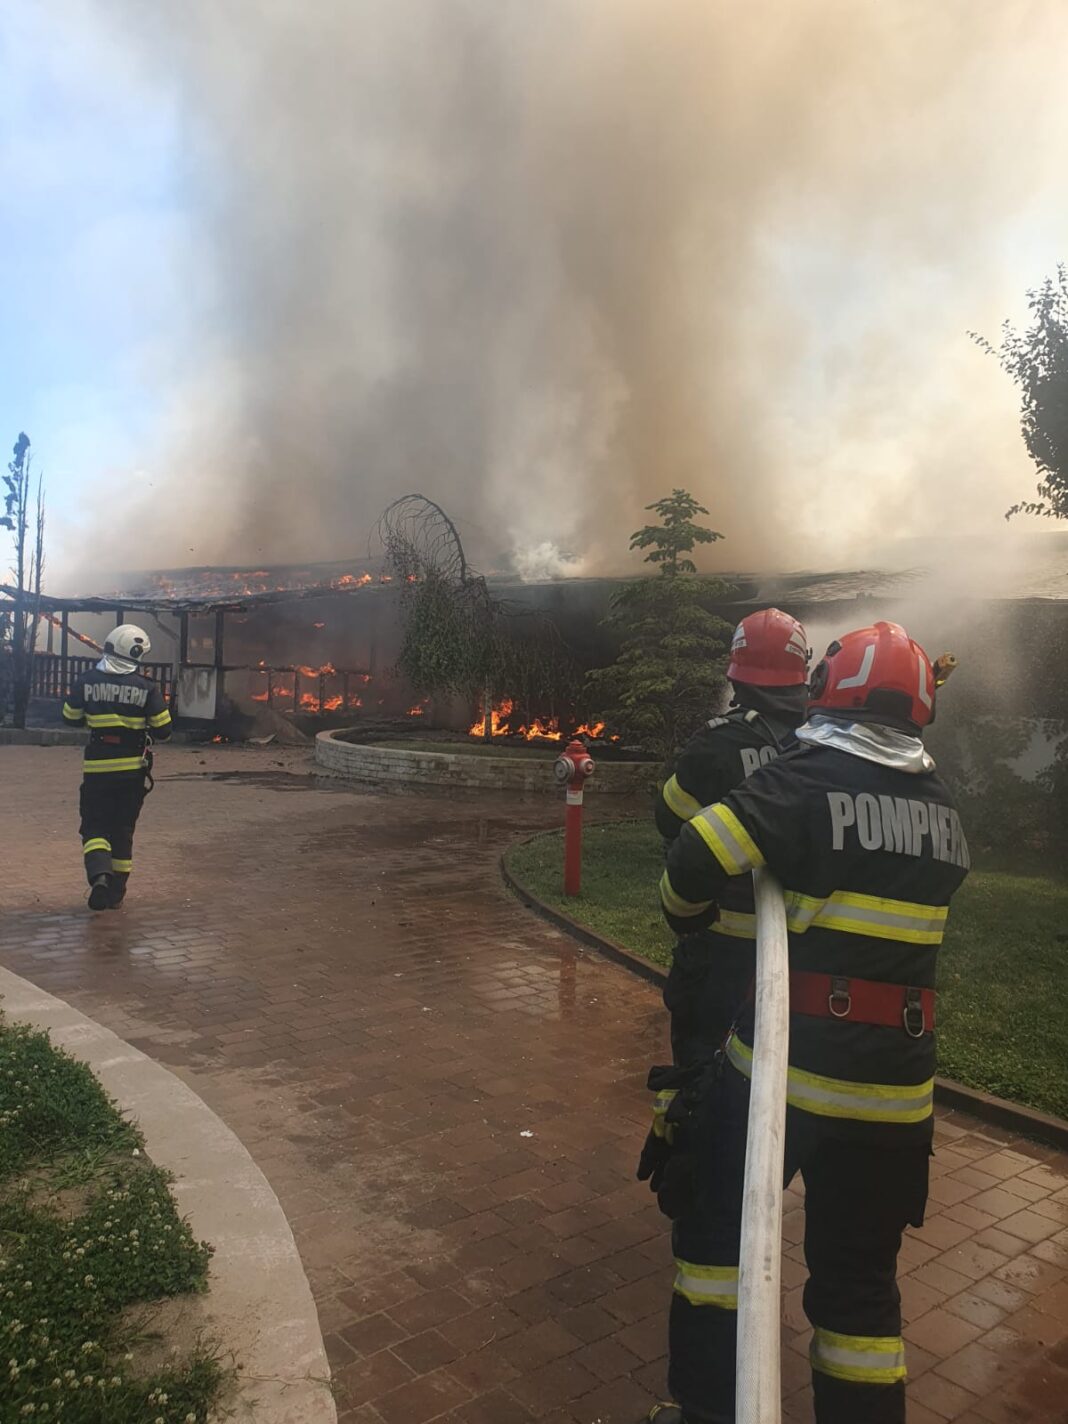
(665, 1414)
(100, 893)
(118, 889)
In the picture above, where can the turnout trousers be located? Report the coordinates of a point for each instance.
(110, 804)
(859, 1196)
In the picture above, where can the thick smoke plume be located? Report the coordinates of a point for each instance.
(546, 259)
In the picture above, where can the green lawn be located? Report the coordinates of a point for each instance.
(88, 1227)
(1003, 1007)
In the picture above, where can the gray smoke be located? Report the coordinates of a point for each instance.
(544, 260)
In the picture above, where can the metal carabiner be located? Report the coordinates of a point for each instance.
(839, 994)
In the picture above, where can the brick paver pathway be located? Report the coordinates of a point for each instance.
(449, 1097)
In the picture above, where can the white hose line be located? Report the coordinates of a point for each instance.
(759, 1390)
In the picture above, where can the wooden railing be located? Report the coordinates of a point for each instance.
(52, 675)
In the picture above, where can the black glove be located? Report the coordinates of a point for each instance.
(666, 1162)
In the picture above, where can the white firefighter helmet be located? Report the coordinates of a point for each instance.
(125, 648)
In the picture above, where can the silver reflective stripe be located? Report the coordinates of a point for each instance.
(888, 918)
(845, 1104)
(835, 1097)
(722, 841)
(862, 913)
(708, 1285)
(853, 1361)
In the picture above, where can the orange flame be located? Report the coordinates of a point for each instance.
(538, 730)
(499, 715)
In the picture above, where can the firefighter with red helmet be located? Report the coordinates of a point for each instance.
(768, 673)
(125, 712)
(862, 832)
(712, 967)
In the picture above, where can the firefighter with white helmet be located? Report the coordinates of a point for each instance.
(864, 837)
(125, 713)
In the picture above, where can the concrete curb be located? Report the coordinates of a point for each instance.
(999, 1112)
(370, 762)
(260, 1303)
(42, 737)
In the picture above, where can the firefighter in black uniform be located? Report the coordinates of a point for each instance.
(864, 837)
(711, 969)
(125, 712)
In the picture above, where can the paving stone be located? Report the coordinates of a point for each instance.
(341, 974)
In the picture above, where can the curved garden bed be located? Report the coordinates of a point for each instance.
(1003, 997)
(468, 765)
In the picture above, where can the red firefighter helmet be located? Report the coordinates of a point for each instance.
(879, 670)
(769, 649)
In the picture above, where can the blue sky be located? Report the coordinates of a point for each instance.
(90, 247)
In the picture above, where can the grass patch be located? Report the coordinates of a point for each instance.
(1004, 988)
(1003, 1004)
(88, 1227)
(621, 865)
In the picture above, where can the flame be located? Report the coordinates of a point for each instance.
(499, 715)
(595, 730)
(310, 700)
(538, 730)
(351, 581)
(318, 625)
(419, 710)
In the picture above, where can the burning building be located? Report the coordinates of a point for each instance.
(319, 643)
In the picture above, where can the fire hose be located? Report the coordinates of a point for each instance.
(759, 1390)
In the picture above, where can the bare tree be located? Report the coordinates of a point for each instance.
(28, 569)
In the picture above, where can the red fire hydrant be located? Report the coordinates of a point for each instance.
(572, 769)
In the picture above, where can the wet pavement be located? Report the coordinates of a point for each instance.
(448, 1097)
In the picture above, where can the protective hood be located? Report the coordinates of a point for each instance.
(870, 740)
(121, 667)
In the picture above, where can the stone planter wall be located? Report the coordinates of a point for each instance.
(371, 762)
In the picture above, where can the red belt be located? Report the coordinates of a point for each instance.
(866, 1001)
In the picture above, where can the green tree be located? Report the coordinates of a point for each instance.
(668, 676)
(1037, 361)
(28, 540)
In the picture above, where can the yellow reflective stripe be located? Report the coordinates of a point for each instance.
(114, 719)
(98, 843)
(707, 1285)
(680, 802)
(873, 915)
(661, 1103)
(675, 904)
(840, 1098)
(72, 714)
(735, 923)
(160, 719)
(861, 1359)
(114, 764)
(124, 866)
(727, 839)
